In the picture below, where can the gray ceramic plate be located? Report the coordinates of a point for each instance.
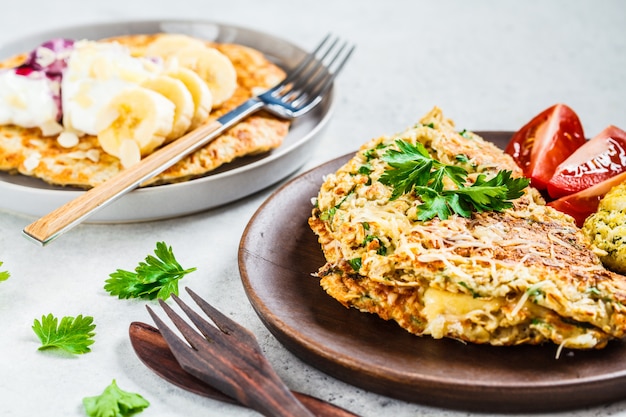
(233, 181)
(278, 253)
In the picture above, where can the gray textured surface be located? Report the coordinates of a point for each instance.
(491, 65)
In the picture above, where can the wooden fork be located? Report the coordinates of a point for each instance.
(228, 357)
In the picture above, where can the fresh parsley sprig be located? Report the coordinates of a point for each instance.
(157, 277)
(4, 275)
(413, 169)
(114, 402)
(72, 334)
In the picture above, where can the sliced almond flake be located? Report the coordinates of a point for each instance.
(67, 139)
(76, 155)
(51, 128)
(93, 155)
(32, 161)
(36, 142)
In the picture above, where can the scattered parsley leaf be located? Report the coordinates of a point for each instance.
(114, 402)
(157, 277)
(355, 263)
(365, 169)
(413, 169)
(382, 249)
(330, 213)
(4, 275)
(593, 291)
(73, 335)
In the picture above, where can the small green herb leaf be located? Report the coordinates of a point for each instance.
(4, 275)
(382, 249)
(365, 169)
(157, 277)
(73, 335)
(114, 402)
(412, 169)
(330, 213)
(355, 263)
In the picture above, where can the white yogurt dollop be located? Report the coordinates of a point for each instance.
(29, 100)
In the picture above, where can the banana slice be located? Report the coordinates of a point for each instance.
(137, 114)
(184, 108)
(129, 152)
(200, 93)
(213, 67)
(168, 44)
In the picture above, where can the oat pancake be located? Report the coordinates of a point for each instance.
(28, 152)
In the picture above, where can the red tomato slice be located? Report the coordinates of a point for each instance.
(546, 141)
(584, 203)
(602, 157)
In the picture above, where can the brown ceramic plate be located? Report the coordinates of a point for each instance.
(277, 254)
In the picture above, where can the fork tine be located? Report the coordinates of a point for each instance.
(244, 338)
(175, 343)
(310, 89)
(314, 68)
(209, 331)
(314, 65)
(229, 365)
(193, 337)
(187, 356)
(303, 63)
(326, 85)
(224, 323)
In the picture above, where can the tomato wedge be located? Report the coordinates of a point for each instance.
(584, 203)
(546, 141)
(602, 157)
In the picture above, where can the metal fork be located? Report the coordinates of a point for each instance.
(296, 95)
(228, 358)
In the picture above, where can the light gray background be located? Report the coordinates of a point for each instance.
(490, 65)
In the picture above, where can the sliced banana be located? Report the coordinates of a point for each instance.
(137, 114)
(200, 93)
(169, 44)
(177, 92)
(217, 71)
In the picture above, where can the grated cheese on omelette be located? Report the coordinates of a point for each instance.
(524, 275)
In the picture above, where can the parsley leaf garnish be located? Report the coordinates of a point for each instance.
(356, 263)
(4, 275)
(114, 402)
(157, 277)
(73, 335)
(413, 169)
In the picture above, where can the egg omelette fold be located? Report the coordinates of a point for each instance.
(524, 275)
(86, 165)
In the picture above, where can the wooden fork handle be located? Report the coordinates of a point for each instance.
(153, 351)
(60, 220)
(73, 212)
(322, 408)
